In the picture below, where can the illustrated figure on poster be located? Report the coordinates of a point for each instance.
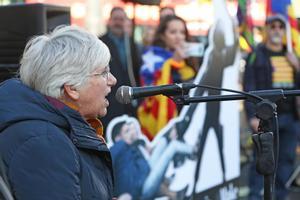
(222, 56)
(138, 168)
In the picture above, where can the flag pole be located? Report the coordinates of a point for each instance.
(288, 37)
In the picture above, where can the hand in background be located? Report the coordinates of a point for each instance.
(179, 54)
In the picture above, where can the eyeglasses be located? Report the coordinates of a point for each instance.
(105, 74)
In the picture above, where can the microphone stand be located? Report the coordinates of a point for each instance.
(267, 139)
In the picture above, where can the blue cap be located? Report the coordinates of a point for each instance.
(277, 17)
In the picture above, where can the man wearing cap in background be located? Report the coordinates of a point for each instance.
(271, 66)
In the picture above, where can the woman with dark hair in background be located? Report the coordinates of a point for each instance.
(166, 11)
(165, 62)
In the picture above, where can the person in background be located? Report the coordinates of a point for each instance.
(148, 36)
(149, 31)
(139, 169)
(166, 11)
(271, 66)
(128, 27)
(164, 63)
(51, 140)
(125, 62)
(170, 11)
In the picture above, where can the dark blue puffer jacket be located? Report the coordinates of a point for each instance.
(50, 152)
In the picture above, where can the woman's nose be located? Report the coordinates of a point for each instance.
(112, 80)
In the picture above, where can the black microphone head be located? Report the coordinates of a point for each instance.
(123, 95)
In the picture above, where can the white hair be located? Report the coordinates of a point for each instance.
(65, 56)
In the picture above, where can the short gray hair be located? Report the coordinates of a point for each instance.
(65, 56)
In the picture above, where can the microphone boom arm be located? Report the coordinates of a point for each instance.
(252, 96)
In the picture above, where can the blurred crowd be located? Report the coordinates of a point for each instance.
(161, 59)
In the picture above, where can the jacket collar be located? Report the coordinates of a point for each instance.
(82, 133)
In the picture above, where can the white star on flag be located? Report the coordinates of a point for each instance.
(150, 59)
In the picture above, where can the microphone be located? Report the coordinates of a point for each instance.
(125, 94)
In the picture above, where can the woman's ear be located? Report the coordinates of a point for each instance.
(71, 92)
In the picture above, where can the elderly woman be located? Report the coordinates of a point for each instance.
(51, 142)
